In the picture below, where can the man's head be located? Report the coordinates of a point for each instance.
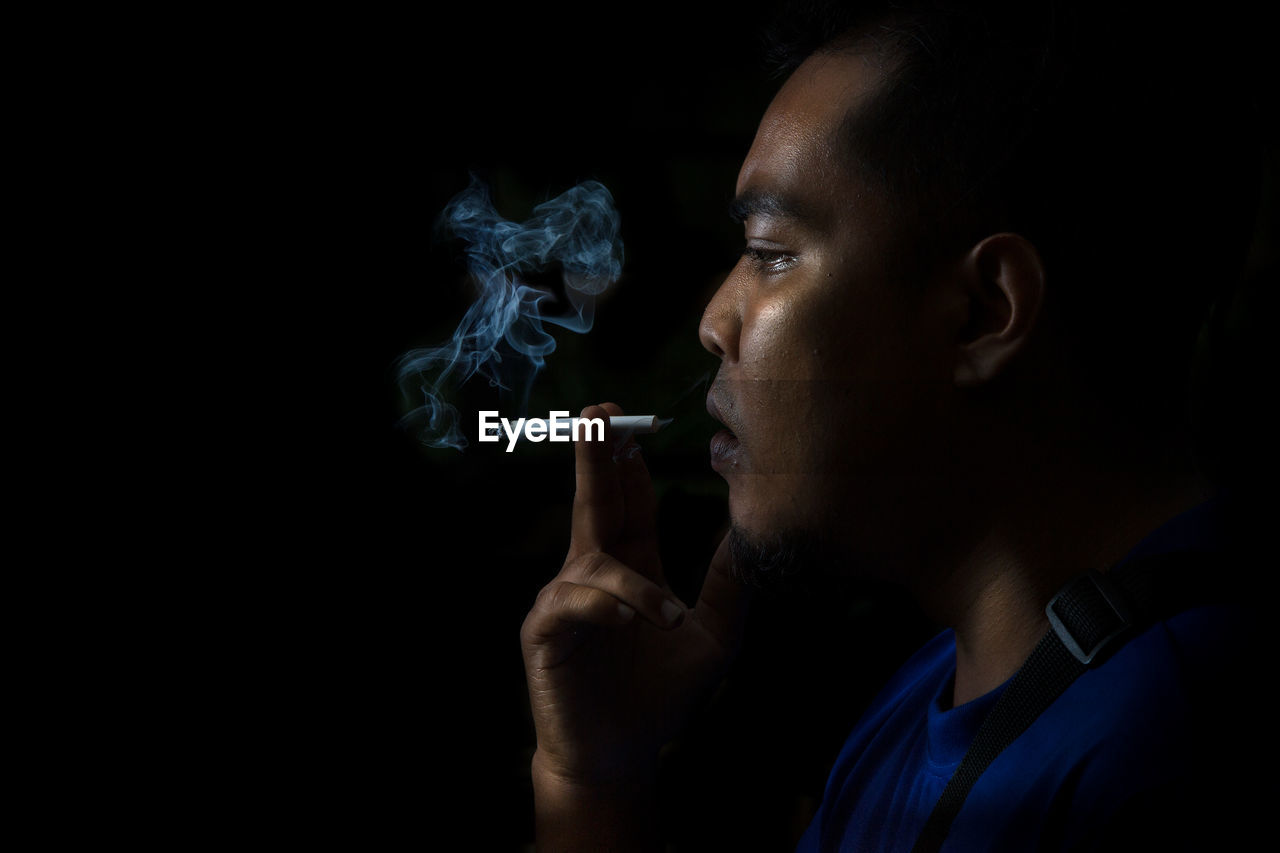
(961, 216)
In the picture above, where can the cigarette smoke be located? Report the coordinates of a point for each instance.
(502, 337)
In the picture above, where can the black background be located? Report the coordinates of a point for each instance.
(383, 694)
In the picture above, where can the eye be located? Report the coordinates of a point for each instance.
(769, 260)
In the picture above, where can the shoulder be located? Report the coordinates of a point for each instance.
(1166, 686)
(1166, 727)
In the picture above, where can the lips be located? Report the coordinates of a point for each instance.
(725, 447)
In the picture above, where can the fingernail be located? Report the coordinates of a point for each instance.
(672, 612)
(626, 611)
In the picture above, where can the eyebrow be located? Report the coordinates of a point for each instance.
(761, 203)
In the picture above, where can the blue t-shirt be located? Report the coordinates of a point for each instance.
(1118, 732)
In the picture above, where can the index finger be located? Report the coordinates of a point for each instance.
(598, 506)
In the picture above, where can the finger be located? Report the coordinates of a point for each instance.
(639, 535)
(637, 491)
(722, 604)
(553, 628)
(604, 571)
(562, 605)
(637, 495)
(622, 442)
(598, 508)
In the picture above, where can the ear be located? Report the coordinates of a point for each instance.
(1003, 284)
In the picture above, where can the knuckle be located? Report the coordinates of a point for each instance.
(559, 595)
(535, 630)
(592, 564)
(549, 597)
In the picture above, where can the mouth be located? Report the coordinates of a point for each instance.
(725, 447)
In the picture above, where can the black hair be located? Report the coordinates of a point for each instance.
(1122, 144)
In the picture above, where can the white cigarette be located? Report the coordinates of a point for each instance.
(636, 424)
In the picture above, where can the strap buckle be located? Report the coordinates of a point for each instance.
(1114, 621)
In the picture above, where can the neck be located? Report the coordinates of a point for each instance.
(1051, 517)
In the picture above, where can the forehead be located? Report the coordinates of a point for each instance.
(796, 148)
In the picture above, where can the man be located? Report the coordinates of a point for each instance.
(980, 241)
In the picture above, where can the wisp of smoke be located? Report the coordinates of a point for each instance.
(502, 336)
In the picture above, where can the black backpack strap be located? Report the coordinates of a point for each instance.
(1091, 617)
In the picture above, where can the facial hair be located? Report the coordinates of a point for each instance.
(786, 561)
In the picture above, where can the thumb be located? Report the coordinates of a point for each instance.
(722, 604)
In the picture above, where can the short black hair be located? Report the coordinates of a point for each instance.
(1123, 144)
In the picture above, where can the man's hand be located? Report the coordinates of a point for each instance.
(615, 662)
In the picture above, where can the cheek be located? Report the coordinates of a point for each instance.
(780, 355)
(768, 340)
(795, 347)
(790, 334)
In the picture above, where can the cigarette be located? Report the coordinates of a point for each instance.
(636, 424)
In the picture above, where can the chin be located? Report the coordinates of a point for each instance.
(773, 561)
(776, 543)
(804, 548)
(769, 504)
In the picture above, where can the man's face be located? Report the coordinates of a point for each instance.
(832, 365)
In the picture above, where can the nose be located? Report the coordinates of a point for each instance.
(722, 322)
